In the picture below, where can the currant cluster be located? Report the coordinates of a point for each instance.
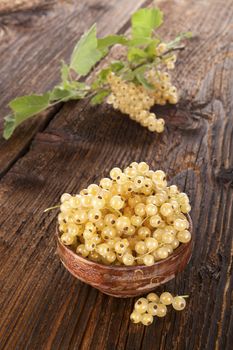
(136, 100)
(131, 218)
(164, 92)
(166, 60)
(145, 309)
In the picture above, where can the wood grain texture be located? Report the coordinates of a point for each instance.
(9, 6)
(44, 307)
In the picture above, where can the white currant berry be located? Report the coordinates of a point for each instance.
(148, 260)
(128, 259)
(184, 236)
(136, 316)
(152, 308)
(116, 202)
(153, 297)
(161, 310)
(178, 303)
(166, 298)
(147, 319)
(141, 305)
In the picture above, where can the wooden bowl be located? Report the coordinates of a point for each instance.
(125, 281)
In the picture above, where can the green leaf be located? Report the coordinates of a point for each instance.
(75, 85)
(150, 49)
(104, 73)
(144, 21)
(135, 54)
(110, 40)
(140, 41)
(128, 75)
(101, 78)
(61, 94)
(65, 73)
(67, 83)
(99, 97)
(9, 126)
(116, 66)
(80, 86)
(140, 76)
(23, 108)
(86, 54)
(96, 84)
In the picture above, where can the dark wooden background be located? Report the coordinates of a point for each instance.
(42, 305)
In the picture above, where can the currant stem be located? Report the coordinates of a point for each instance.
(114, 210)
(51, 208)
(145, 219)
(141, 256)
(178, 48)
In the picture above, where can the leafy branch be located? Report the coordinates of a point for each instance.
(141, 54)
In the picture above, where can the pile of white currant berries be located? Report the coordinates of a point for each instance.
(136, 101)
(131, 218)
(145, 309)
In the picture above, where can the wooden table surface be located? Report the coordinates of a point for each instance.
(42, 305)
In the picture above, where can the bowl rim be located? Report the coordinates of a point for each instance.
(176, 252)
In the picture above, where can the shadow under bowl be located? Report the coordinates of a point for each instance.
(125, 281)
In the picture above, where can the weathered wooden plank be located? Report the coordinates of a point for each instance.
(46, 308)
(8, 6)
(32, 46)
